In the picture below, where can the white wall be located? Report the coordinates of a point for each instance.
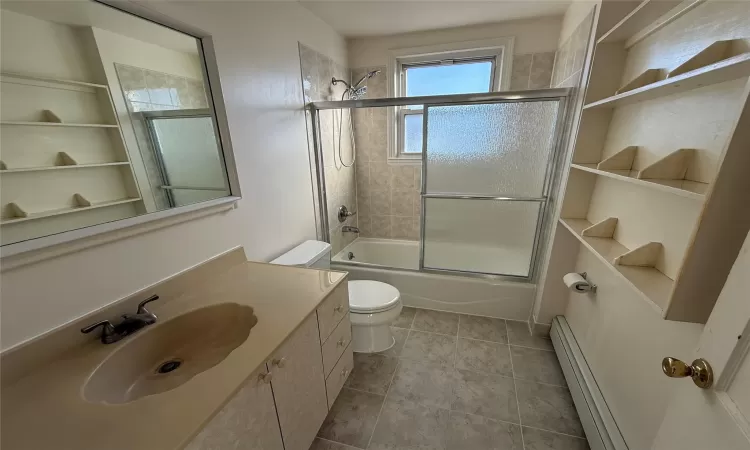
(532, 36)
(256, 49)
(64, 59)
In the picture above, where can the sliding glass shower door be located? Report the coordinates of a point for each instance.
(486, 169)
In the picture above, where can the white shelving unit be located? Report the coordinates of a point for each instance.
(53, 129)
(657, 188)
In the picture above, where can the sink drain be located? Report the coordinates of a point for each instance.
(169, 366)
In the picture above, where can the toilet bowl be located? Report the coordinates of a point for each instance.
(373, 305)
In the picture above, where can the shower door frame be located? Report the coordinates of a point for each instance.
(543, 201)
(562, 95)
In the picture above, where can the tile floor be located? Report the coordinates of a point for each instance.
(455, 382)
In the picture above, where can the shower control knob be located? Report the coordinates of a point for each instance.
(344, 213)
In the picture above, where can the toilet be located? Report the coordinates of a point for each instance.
(373, 306)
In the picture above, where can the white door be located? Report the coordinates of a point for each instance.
(717, 418)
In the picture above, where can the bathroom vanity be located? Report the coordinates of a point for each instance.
(272, 391)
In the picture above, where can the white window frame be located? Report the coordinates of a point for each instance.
(500, 50)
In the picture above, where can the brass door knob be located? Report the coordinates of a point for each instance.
(700, 371)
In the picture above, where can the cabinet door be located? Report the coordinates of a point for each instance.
(299, 386)
(247, 422)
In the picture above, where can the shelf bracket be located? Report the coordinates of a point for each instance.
(49, 116)
(643, 256)
(718, 51)
(80, 201)
(16, 212)
(622, 160)
(64, 159)
(603, 229)
(650, 76)
(671, 167)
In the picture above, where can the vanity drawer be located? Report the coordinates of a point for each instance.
(339, 374)
(332, 310)
(336, 344)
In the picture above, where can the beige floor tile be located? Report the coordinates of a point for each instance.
(436, 322)
(518, 334)
(469, 432)
(545, 440)
(372, 372)
(486, 395)
(548, 407)
(352, 418)
(432, 347)
(481, 356)
(483, 328)
(322, 444)
(406, 318)
(423, 382)
(536, 365)
(405, 425)
(399, 334)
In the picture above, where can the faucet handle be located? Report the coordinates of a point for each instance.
(142, 305)
(108, 330)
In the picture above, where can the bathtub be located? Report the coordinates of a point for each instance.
(397, 263)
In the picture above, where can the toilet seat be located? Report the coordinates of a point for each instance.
(367, 296)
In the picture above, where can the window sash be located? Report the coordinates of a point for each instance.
(402, 153)
(402, 112)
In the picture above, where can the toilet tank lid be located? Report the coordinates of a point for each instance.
(304, 254)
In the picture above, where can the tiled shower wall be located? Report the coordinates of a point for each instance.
(317, 72)
(388, 195)
(149, 90)
(532, 71)
(571, 54)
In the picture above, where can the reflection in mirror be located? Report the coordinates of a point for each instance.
(104, 115)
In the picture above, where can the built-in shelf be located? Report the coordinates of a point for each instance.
(653, 286)
(719, 72)
(55, 124)
(639, 19)
(85, 205)
(684, 188)
(63, 167)
(52, 80)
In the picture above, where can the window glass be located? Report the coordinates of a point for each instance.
(458, 78)
(413, 133)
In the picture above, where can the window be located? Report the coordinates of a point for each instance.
(461, 68)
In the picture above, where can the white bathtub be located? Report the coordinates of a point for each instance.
(396, 262)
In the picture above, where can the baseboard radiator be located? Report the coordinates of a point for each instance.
(600, 427)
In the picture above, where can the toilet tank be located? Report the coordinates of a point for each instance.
(312, 254)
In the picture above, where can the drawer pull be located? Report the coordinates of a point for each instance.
(344, 373)
(279, 362)
(338, 309)
(341, 342)
(265, 377)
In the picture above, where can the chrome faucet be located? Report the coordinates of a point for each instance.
(348, 229)
(129, 325)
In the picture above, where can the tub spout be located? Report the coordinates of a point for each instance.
(348, 229)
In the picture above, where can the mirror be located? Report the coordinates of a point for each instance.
(104, 115)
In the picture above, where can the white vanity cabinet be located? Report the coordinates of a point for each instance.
(299, 386)
(287, 399)
(247, 422)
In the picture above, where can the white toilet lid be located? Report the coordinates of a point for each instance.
(366, 296)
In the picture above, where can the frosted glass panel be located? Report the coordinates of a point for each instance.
(191, 158)
(490, 149)
(485, 236)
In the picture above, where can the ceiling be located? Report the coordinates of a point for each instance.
(357, 18)
(77, 13)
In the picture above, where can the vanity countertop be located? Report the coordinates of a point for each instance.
(45, 409)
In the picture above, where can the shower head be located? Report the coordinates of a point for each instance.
(366, 76)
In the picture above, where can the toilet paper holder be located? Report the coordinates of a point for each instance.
(592, 287)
